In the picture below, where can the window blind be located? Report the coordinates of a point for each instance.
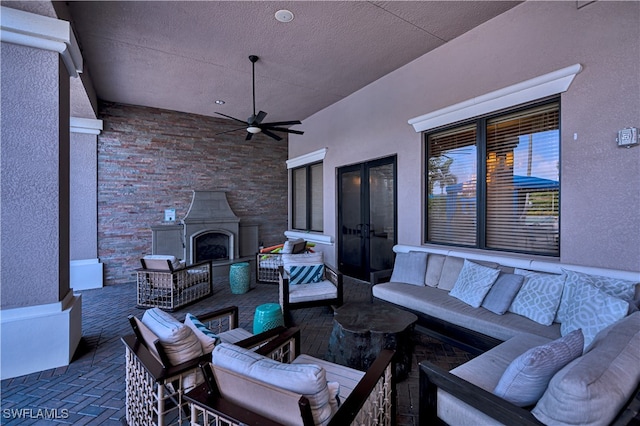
(522, 181)
(451, 181)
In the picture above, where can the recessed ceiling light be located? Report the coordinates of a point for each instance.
(284, 15)
(220, 102)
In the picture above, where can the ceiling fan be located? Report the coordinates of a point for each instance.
(254, 123)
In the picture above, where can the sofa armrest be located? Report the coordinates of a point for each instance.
(382, 276)
(433, 378)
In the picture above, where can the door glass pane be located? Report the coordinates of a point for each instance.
(299, 189)
(381, 216)
(523, 181)
(316, 197)
(451, 180)
(351, 249)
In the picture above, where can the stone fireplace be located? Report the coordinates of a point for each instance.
(211, 229)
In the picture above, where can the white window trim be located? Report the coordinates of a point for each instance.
(309, 158)
(85, 125)
(530, 90)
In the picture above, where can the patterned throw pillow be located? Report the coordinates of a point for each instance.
(502, 293)
(621, 289)
(527, 377)
(539, 297)
(473, 283)
(208, 338)
(306, 274)
(592, 310)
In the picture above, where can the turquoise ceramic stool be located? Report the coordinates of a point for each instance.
(239, 277)
(267, 316)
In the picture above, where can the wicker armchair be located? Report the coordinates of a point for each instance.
(231, 398)
(154, 387)
(163, 282)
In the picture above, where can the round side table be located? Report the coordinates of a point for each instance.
(239, 277)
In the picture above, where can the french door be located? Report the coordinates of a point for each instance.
(367, 218)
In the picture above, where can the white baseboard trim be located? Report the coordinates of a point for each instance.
(86, 274)
(38, 338)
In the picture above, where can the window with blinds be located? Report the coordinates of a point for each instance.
(515, 207)
(307, 198)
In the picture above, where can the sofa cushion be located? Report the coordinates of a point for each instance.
(526, 378)
(410, 268)
(591, 310)
(435, 263)
(539, 297)
(483, 371)
(450, 270)
(307, 379)
(159, 262)
(622, 289)
(592, 389)
(437, 303)
(306, 274)
(502, 293)
(473, 283)
(178, 341)
(207, 338)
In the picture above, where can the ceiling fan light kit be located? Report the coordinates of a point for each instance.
(254, 123)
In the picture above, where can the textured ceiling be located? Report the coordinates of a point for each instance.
(183, 56)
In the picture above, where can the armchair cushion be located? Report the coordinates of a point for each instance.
(207, 338)
(178, 341)
(305, 274)
(159, 261)
(322, 290)
(301, 259)
(307, 379)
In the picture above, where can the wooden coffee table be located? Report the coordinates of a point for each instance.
(361, 330)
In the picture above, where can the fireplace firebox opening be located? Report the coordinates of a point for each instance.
(211, 245)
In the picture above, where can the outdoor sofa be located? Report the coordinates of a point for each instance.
(514, 313)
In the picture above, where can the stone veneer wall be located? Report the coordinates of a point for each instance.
(152, 159)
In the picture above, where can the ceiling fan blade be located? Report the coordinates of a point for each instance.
(271, 134)
(260, 117)
(282, 123)
(233, 118)
(249, 136)
(229, 131)
(283, 129)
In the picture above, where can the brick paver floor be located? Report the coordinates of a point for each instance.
(91, 389)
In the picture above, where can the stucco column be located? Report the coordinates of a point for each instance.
(41, 317)
(86, 270)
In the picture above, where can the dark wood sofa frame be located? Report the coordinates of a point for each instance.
(433, 377)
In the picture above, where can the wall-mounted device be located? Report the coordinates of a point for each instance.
(170, 215)
(627, 137)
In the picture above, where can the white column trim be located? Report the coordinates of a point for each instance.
(41, 32)
(311, 157)
(536, 88)
(89, 126)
